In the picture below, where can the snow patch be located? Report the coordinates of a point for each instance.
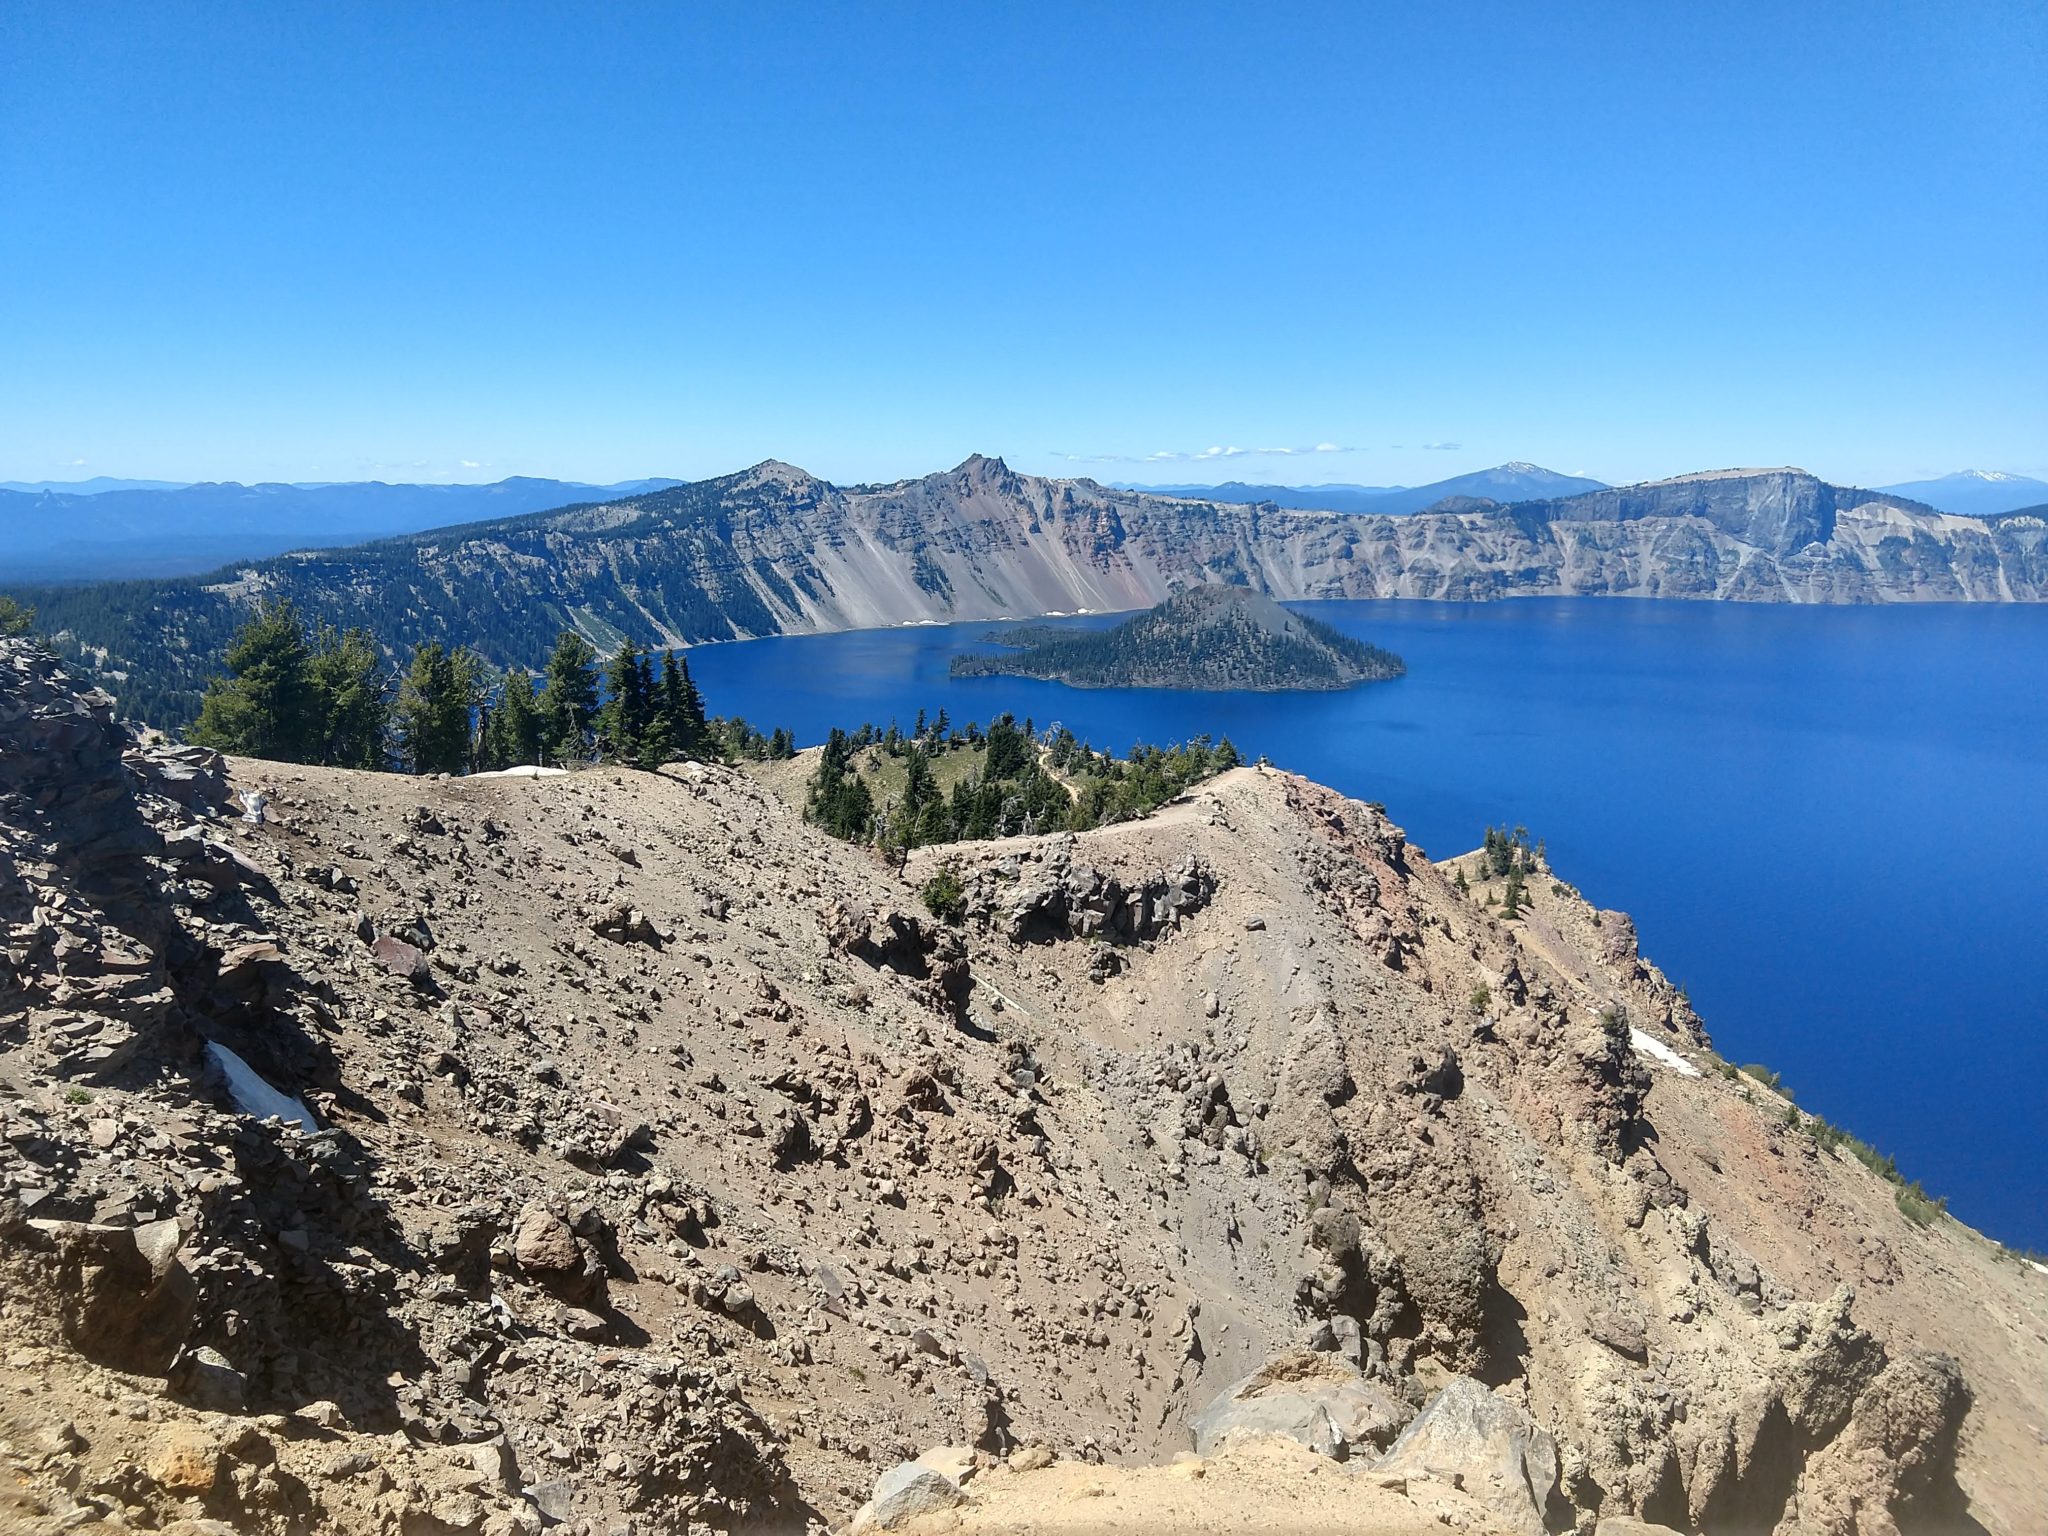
(1657, 1050)
(522, 771)
(253, 1096)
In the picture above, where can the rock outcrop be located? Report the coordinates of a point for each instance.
(693, 1189)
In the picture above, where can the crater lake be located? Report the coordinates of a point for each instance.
(1830, 824)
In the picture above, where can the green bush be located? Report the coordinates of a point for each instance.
(943, 897)
(1919, 1207)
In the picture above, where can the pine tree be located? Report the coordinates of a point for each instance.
(512, 738)
(352, 699)
(628, 712)
(568, 697)
(265, 706)
(434, 705)
(840, 801)
(679, 711)
(14, 618)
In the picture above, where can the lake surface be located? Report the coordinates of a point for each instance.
(1831, 824)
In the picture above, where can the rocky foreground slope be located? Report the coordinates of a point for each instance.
(773, 550)
(644, 1162)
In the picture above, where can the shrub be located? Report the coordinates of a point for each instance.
(1766, 1076)
(943, 896)
(1482, 998)
(1919, 1207)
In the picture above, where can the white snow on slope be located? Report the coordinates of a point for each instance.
(253, 1096)
(1658, 1051)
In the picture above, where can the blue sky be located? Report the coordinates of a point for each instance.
(465, 241)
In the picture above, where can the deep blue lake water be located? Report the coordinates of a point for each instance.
(1831, 824)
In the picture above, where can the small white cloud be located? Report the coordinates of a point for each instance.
(1443, 447)
(1196, 456)
(78, 463)
(471, 464)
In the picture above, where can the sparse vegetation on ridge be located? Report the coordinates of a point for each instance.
(300, 692)
(942, 784)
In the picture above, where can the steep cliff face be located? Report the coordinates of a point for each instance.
(644, 1157)
(776, 551)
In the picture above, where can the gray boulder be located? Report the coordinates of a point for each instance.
(1491, 1445)
(1318, 1400)
(904, 1492)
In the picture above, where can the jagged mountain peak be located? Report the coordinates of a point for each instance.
(980, 468)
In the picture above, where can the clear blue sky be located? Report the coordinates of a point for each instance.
(467, 240)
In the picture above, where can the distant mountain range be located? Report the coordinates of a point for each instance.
(93, 487)
(1507, 482)
(1976, 492)
(106, 527)
(147, 528)
(773, 550)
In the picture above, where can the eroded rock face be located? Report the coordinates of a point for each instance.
(1887, 1469)
(1046, 894)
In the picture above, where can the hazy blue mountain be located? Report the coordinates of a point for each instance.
(1975, 492)
(64, 534)
(93, 487)
(1504, 483)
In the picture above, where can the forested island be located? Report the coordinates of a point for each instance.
(1207, 637)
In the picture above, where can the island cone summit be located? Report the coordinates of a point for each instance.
(1216, 637)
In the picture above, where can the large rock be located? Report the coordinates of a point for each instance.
(193, 777)
(130, 1299)
(1502, 1457)
(1318, 1400)
(905, 1492)
(543, 1244)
